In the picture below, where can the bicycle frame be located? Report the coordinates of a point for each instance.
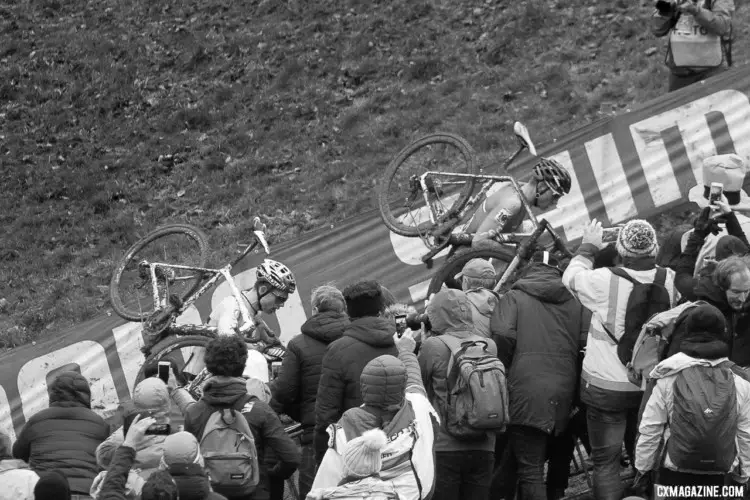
(217, 275)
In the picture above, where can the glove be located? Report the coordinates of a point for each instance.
(642, 484)
(705, 225)
(665, 9)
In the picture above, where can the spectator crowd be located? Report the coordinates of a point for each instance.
(633, 350)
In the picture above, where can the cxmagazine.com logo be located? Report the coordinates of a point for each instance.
(734, 491)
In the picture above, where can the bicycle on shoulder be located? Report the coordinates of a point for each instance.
(428, 192)
(164, 273)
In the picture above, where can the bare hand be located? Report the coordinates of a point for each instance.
(688, 7)
(720, 207)
(137, 431)
(593, 234)
(405, 343)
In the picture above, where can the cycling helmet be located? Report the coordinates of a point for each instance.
(554, 175)
(277, 275)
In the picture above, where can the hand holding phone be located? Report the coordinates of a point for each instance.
(610, 234)
(163, 371)
(714, 195)
(400, 324)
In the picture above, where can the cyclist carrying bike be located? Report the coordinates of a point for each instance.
(502, 212)
(274, 282)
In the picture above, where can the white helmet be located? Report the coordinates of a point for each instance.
(277, 275)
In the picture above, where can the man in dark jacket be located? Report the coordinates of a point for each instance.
(368, 336)
(296, 387)
(537, 329)
(225, 359)
(64, 437)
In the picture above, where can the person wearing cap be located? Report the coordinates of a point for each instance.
(367, 336)
(612, 401)
(728, 217)
(463, 468)
(149, 396)
(64, 437)
(477, 279)
(394, 400)
(537, 329)
(362, 463)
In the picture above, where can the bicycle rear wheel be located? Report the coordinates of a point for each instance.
(500, 257)
(130, 290)
(178, 350)
(401, 198)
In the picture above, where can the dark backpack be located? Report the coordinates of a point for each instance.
(703, 424)
(645, 300)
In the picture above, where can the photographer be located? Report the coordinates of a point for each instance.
(699, 38)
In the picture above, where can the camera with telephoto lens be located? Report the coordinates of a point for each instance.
(415, 322)
(666, 8)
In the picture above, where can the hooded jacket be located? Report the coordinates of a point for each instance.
(192, 482)
(363, 340)
(64, 437)
(268, 432)
(296, 386)
(604, 380)
(537, 329)
(395, 401)
(703, 288)
(483, 303)
(654, 424)
(448, 315)
(17, 480)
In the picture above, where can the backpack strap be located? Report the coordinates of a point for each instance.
(457, 347)
(660, 278)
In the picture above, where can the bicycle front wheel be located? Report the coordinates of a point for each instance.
(401, 198)
(131, 288)
(499, 256)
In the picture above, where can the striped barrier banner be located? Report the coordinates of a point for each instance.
(636, 164)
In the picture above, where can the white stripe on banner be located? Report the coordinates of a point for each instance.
(690, 119)
(610, 177)
(5, 421)
(128, 340)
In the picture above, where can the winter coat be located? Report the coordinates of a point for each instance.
(704, 288)
(538, 325)
(192, 483)
(434, 360)
(296, 386)
(119, 482)
(17, 480)
(338, 390)
(64, 436)
(395, 401)
(484, 303)
(605, 382)
(148, 454)
(657, 414)
(267, 429)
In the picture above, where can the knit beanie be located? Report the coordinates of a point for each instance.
(160, 486)
(70, 389)
(730, 245)
(364, 298)
(52, 485)
(181, 448)
(706, 333)
(362, 455)
(637, 239)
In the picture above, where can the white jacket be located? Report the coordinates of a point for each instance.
(226, 316)
(606, 296)
(17, 481)
(658, 412)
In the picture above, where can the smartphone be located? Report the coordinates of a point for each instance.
(164, 371)
(400, 324)
(275, 369)
(159, 429)
(610, 234)
(717, 189)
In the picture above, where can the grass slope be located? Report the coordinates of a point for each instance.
(117, 117)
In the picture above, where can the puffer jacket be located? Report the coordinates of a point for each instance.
(657, 414)
(395, 401)
(338, 390)
(268, 432)
(434, 360)
(537, 329)
(296, 386)
(17, 480)
(192, 482)
(484, 303)
(64, 437)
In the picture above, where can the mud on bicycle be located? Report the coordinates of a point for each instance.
(438, 203)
